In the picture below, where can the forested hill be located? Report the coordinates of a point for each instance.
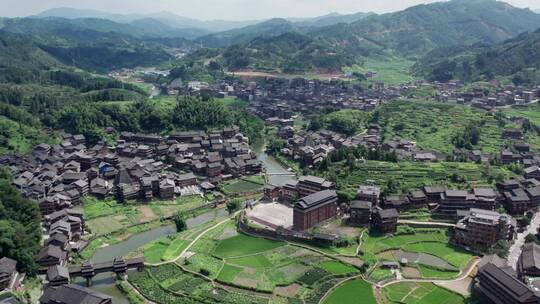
(410, 33)
(96, 45)
(422, 28)
(517, 59)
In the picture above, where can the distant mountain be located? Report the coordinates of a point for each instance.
(270, 28)
(167, 18)
(329, 19)
(275, 27)
(422, 28)
(155, 28)
(537, 11)
(411, 33)
(93, 44)
(517, 59)
(290, 52)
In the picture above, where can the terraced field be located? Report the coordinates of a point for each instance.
(413, 175)
(427, 251)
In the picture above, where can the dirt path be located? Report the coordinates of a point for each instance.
(193, 242)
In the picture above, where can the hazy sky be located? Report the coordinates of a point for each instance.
(225, 9)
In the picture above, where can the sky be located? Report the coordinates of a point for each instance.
(225, 9)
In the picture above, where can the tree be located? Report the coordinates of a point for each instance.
(501, 248)
(180, 222)
(531, 238)
(233, 205)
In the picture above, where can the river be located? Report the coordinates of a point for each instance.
(106, 284)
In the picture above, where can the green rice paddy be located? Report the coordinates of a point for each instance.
(352, 292)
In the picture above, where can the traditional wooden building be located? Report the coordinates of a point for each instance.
(314, 209)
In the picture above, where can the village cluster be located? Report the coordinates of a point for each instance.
(145, 167)
(137, 167)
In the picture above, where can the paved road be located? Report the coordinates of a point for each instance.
(515, 250)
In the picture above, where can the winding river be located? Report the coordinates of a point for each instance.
(105, 283)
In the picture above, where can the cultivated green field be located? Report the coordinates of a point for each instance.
(445, 260)
(337, 268)
(433, 125)
(414, 175)
(107, 216)
(419, 293)
(241, 245)
(243, 185)
(352, 292)
(390, 70)
(531, 112)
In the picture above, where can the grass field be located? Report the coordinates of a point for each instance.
(337, 268)
(352, 292)
(375, 243)
(453, 255)
(390, 70)
(241, 245)
(419, 293)
(432, 273)
(243, 185)
(379, 274)
(432, 242)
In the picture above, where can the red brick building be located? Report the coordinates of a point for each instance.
(314, 209)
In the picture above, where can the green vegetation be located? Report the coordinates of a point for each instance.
(187, 113)
(378, 274)
(453, 255)
(390, 70)
(244, 245)
(344, 121)
(20, 226)
(516, 60)
(170, 284)
(350, 292)
(419, 293)
(104, 217)
(531, 112)
(403, 176)
(433, 126)
(244, 185)
(433, 242)
(337, 268)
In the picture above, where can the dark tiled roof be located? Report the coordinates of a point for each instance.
(361, 205)
(73, 294)
(316, 198)
(530, 256)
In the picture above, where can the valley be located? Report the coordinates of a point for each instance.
(365, 157)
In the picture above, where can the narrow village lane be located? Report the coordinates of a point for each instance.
(515, 249)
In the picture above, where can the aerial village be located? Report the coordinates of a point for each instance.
(300, 209)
